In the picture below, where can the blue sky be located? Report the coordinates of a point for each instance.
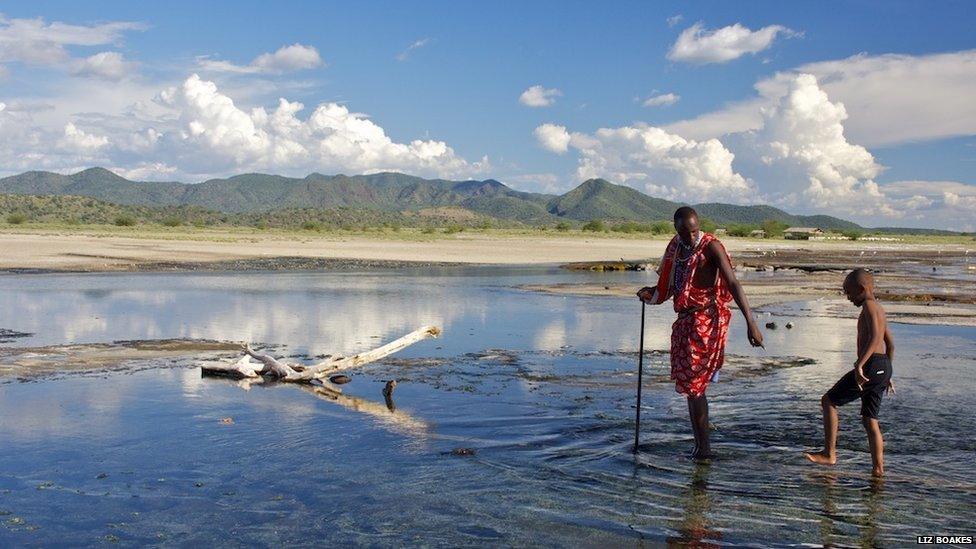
(883, 120)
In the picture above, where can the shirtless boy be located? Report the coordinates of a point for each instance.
(870, 378)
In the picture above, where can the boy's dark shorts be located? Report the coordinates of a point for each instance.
(878, 372)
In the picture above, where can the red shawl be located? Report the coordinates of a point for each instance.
(699, 334)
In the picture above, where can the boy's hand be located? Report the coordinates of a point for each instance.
(860, 377)
(754, 335)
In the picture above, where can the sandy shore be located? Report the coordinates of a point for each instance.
(94, 251)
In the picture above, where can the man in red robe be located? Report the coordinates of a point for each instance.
(697, 273)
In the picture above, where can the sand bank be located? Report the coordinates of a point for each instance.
(123, 251)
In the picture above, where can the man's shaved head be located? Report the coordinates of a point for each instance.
(683, 213)
(686, 224)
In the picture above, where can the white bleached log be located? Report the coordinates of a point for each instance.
(298, 373)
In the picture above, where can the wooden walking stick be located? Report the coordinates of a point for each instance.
(640, 377)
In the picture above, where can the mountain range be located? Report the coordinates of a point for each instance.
(393, 192)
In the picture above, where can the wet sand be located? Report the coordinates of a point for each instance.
(917, 285)
(31, 363)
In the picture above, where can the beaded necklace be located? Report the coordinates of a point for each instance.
(681, 264)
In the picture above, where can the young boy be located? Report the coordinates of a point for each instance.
(870, 378)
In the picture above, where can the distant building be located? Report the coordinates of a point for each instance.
(758, 233)
(801, 233)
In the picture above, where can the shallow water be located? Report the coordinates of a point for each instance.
(540, 386)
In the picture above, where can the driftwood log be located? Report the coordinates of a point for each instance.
(314, 378)
(268, 366)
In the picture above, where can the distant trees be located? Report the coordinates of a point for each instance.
(773, 228)
(740, 230)
(595, 225)
(124, 221)
(706, 225)
(16, 218)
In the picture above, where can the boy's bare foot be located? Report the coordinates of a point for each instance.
(821, 458)
(702, 453)
(878, 472)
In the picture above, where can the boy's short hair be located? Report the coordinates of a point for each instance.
(862, 277)
(683, 213)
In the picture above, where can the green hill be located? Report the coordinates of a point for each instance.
(726, 214)
(600, 199)
(392, 194)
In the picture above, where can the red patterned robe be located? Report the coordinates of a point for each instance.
(698, 336)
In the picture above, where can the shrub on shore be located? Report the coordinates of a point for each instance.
(773, 228)
(311, 226)
(172, 222)
(662, 227)
(124, 221)
(595, 226)
(16, 218)
(741, 230)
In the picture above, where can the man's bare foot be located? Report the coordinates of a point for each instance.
(821, 458)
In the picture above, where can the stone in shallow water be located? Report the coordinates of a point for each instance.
(6, 335)
(771, 325)
(340, 379)
(463, 452)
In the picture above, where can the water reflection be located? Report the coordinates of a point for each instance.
(695, 528)
(535, 384)
(865, 511)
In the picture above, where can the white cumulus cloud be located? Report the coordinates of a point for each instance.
(890, 99)
(553, 137)
(661, 163)
(809, 159)
(291, 58)
(926, 203)
(37, 42)
(698, 45)
(215, 131)
(661, 100)
(107, 65)
(539, 96)
(77, 140)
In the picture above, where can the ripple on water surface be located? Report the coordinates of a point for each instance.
(153, 453)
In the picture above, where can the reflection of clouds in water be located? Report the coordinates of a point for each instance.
(818, 331)
(552, 336)
(322, 313)
(191, 381)
(69, 316)
(37, 414)
(604, 327)
(341, 325)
